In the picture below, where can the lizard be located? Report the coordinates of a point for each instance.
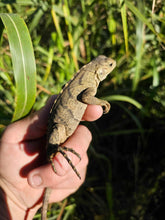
(68, 109)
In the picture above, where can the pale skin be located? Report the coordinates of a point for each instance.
(24, 172)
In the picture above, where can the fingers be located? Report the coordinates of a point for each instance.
(45, 177)
(92, 113)
(78, 142)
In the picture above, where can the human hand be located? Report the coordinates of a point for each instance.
(24, 172)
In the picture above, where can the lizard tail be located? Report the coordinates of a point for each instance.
(45, 203)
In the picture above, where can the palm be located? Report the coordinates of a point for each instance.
(22, 156)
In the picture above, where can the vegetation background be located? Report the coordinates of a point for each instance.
(126, 173)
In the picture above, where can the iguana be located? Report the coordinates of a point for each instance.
(69, 107)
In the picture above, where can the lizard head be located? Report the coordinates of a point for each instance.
(105, 65)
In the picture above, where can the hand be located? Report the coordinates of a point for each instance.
(24, 172)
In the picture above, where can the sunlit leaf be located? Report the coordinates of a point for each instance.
(124, 21)
(24, 67)
(144, 19)
(123, 98)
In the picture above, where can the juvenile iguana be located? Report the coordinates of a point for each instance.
(69, 107)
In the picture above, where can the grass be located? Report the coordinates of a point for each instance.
(126, 171)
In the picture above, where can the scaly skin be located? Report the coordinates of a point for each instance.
(69, 107)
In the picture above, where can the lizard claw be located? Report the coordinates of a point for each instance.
(106, 107)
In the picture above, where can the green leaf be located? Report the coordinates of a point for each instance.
(23, 61)
(124, 22)
(17, 2)
(139, 46)
(144, 20)
(123, 98)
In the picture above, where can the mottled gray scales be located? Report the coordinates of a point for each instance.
(69, 107)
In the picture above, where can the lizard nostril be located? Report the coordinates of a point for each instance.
(111, 64)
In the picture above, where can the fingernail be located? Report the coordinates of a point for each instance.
(36, 180)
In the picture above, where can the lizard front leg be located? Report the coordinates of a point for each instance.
(88, 97)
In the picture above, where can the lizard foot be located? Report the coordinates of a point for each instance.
(62, 151)
(106, 106)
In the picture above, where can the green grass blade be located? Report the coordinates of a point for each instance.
(111, 21)
(124, 22)
(50, 57)
(123, 98)
(66, 11)
(109, 193)
(58, 28)
(24, 67)
(134, 118)
(140, 15)
(38, 15)
(139, 47)
(156, 77)
(144, 20)
(20, 2)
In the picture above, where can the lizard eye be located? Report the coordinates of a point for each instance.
(111, 64)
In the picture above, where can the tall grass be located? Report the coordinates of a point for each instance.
(126, 169)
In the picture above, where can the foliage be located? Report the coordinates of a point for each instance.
(24, 67)
(126, 171)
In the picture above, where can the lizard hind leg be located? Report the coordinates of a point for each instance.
(62, 151)
(53, 149)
